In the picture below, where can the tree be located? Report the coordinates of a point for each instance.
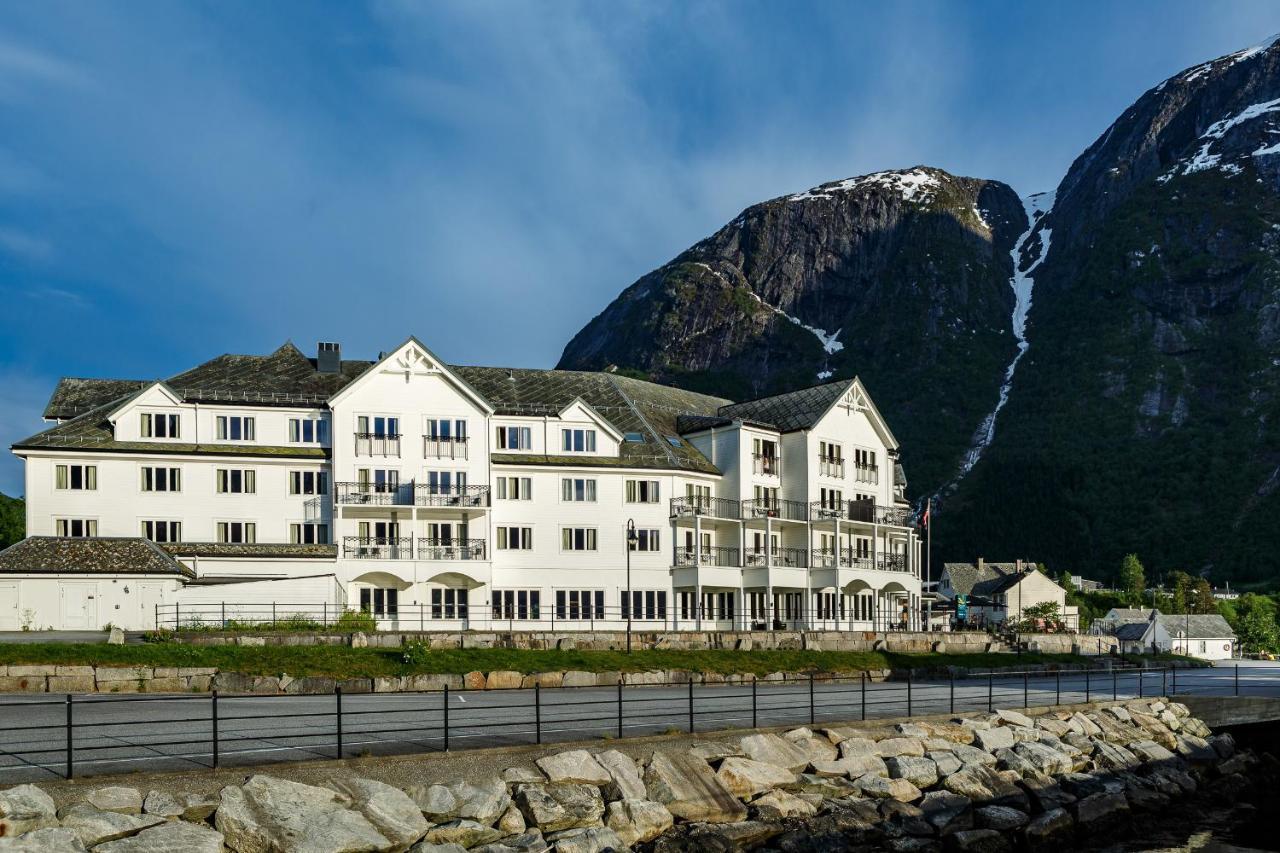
(1064, 581)
(13, 520)
(1132, 579)
(1257, 631)
(1182, 583)
(1201, 599)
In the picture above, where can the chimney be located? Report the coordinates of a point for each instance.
(328, 357)
(980, 564)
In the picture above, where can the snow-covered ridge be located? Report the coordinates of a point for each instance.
(1193, 74)
(1205, 158)
(829, 340)
(915, 185)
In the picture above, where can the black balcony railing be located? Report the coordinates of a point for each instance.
(410, 494)
(791, 558)
(450, 549)
(892, 563)
(445, 447)
(788, 510)
(377, 444)
(897, 516)
(426, 494)
(710, 507)
(827, 510)
(377, 547)
(764, 464)
(866, 473)
(714, 555)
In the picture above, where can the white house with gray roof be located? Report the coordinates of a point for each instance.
(446, 497)
(1208, 636)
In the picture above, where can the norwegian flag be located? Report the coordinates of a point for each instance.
(924, 519)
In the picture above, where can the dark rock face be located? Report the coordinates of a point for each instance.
(909, 271)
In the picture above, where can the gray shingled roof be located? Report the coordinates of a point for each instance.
(966, 579)
(74, 396)
(1203, 626)
(98, 556)
(252, 549)
(791, 411)
(1131, 631)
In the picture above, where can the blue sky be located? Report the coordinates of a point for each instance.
(179, 180)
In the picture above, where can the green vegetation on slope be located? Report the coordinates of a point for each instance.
(13, 520)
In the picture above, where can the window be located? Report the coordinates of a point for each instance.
(515, 488)
(633, 437)
(443, 429)
(77, 477)
(578, 440)
(642, 491)
(832, 499)
(644, 604)
(828, 605)
(380, 601)
(446, 482)
(515, 538)
(579, 604)
(308, 483)
(237, 532)
(308, 431)
(235, 481)
(830, 459)
(161, 479)
(378, 426)
(517, 604)
(78, 527)
(646, 540)
(578, 539)
(448, 603)
(162, 531)
(577, 489)
(155, 425)
(764, 456)
(308, 533)
(698, 495)
(235, 428)
(766, 496)
(514, 438)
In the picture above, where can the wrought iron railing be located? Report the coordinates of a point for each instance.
(377, 547)
(426, 494)
(769, 465)
(450, 549)
(714, 555)
(897, 516)
(410, 494)
(788, 510)
(791, 558)
(712, 507)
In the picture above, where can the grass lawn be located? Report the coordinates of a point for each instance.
(345, 662)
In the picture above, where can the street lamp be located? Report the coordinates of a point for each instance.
(631, 544)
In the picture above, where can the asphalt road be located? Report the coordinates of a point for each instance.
(117, 733)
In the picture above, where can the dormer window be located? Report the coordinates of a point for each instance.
(308, 431)
(514, 438)
(578, 440)
(160, 425)
(235, 428)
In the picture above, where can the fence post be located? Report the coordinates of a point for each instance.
(70, 747)
(1057, 687)
(1114, 693)
(1142, 676)
(908, 693)
(811, 707)
(753, 701)
(324, 614)
(1237, 679)
(273, 613)
(991, 679)
(157, 606)
(864, 695)
(537, 712)
(1164, 681)
(213, 715)
(1175, 680)
(337, 698)
(691, 703)
(1087, 673)
(1026, 692)
(619, 708)
(953, 692)
(446, 718)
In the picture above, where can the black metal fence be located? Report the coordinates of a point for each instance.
(66, 734)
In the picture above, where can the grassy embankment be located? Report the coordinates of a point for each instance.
(346, 662)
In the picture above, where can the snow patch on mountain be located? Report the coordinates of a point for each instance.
(914, 185)
(1205, 158)
(829, 340)
(1193, 74)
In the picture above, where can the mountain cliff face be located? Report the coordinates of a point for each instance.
(1144, 417)
(901, 278)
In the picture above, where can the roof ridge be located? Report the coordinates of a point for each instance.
(845, 382)
(658, 439)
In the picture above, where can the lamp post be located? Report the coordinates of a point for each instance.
(631, 543)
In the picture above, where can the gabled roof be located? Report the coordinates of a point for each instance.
(1203, 626)
(1131, 631)
(45, 555)
(284, 377)
(790, 411)
(990, 579)
(74, 396)
(1128, 614)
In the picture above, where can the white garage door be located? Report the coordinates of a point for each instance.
(10, 617)
(79, 606)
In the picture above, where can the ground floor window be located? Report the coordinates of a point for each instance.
(644, 604)
(448, 603)
(78, 527)
(758, 607)
(789, 605)
(828, 605)
(380, 602)
(579, 604)
(717, 605)
(162, 531)
(517, 604)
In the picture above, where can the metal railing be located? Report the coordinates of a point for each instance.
(830, 467)
(713, 555)
(409, 494)
(791, 558)
(446, 549)
(68, 735)
(710, 507)
(788, 510)
(377, 444)
(768, 465)
(426, 494)
(896, 516)
(866, 473)
(377, 547)
(446, 447)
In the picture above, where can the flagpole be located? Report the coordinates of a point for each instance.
(928, 551)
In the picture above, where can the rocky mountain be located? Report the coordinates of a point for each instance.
(901, 278)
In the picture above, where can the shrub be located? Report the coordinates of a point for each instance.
(416, 653)
(356, 620)
(160, 635)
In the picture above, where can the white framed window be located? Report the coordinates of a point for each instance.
(578, 440)
(449, 603)
(308, 431)
(76, 477)
(642, 491)
(162, 531)
(516, 603)
(514, 438)
(308, 483)
(579, 604)
(644, 604)
(309, 533)
(237, 532)
(578, 490)
(577, 539)
(235, 428)
(76, 527)
(160, 425)
(646, 540)
(236, 481)
(161, 479)
(380, 601)
(513, 538)
(515, 488)
(445, 429)
(698, 495)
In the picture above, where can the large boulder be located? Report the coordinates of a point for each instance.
(437, 802)
(167, 837)
(54, 839)
(989, 740)
(1101, 809)
(94, 826)
(921, 772)
(280, 816)
(985, 786)
(25, 808)
(595, 839)
(894, 746)
(482, 800)
(972, 756)
(1044, 758)
(635, 821)
(1014, 718)
(772, 749)
(625, 782)
(116, 798)
(576, 765)
(780, 805)
(880, 788)
(388, 808)
(852, 766)
(817, 748)
(1048, 830)
(1001, 818)
(946, 812)
(465, 833)
(690, 790)
(980, 841)
(557, 807)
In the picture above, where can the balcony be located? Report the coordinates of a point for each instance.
(831, 467)
(410, 494)
(762, 463)
(687, 507)
(446, 447)
(451, 496)
(896, 516)
(827, 510)
(406, 548)
(847, 558)
(715, 555)
(377, 444)
(866, 473)
(786, 510)
(791, 558)
(450, 549)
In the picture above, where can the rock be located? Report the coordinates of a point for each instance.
(1048, 829)
(951, 732)
(772, 749)
(482, 800)
(895, 746)
(1000, 818)
(197, 808)
(161, 804)
(515, 775)
(1149, 751)
(1085, 725)
(1109, 756)
(745, 778)
(816, 748)
(970, 756)
(279, 815)
(466, 833)
(167, 837)
(713, 752)
(904, 818)
(48, 840)
(989, 740)
(985, 786)
(635, 821)
(1100, 809)
(577, 766)
(1196, 749)
(511, 822)
(435, 801)
(689, 790)
(1224, 744)
(25, 808)
(115, 637)
(852, 767)
(560, 806)
(428, 847)
(913, 730)
(1055, 727)
(880, 788)
(778, 805)
(388, 808)
(359, 640)
(1046, 794)
(1015, 718)
(854, 746)
(827, 787)
(504, 680)
(946, 812)
(117, 799)
(1146, 799)
(921, 772)
(1045, 759)
(946, 762)
(94, 826)
(979, 841)
(528, 842)
(625, 781)
(1010, 760)
(594, 839)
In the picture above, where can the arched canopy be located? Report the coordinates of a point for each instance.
(893, 586)
(856, 586)
(455, 579)
(383, 579)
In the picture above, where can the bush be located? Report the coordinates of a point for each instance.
(160, 635)
(356, 620)
(416, 653)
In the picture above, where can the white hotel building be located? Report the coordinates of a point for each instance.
(442, 497)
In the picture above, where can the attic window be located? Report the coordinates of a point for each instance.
(633, 437)
(674, 440)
